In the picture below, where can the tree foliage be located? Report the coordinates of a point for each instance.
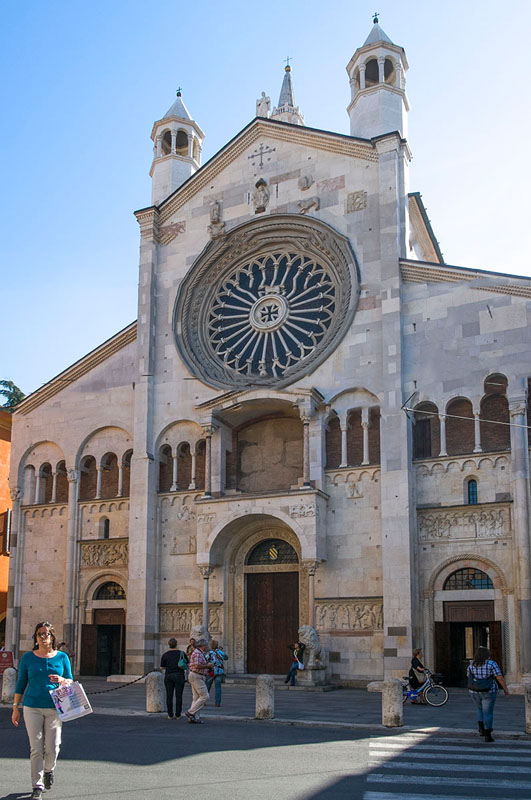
(12, 394)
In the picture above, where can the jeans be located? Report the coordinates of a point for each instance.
(174, 683)
(43, 727)
(292, 674)
(217, 681)
(484, 702)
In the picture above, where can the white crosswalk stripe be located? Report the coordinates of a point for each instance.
(404, 763)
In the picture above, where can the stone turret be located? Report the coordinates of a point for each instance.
(178, 141)
(287, 111)
(377, 81)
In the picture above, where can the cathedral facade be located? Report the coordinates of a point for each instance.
(313, 421)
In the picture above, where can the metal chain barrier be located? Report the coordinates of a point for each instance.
(120, 686)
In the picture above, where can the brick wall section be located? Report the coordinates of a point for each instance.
(184, 467)
(200, 465)
(495, 437)
(460, 432)
(88, 479)
(374, 435)
(126, 479)
(333, 444)
(61, 486)
(165, 469)
(109, 477)
(355, 439)
(435, 428)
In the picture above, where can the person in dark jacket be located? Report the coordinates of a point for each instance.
(173, 679)
(297, 650)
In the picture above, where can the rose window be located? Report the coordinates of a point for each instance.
(271, 313)
(265, 304)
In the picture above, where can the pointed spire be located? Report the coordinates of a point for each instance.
(287, 111)
(178, 109)
(376, 34)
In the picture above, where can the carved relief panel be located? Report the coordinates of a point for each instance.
(354, 616)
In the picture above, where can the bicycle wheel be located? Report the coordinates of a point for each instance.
(404, 695)
(436, 695)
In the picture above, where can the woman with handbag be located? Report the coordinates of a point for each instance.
(215, 658)
(41, 670)
(298, 653)
(417, 673)
(174, 663)
(483, 677)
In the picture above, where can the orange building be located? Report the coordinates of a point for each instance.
(5, 513)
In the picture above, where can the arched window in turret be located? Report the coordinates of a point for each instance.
(181, 144)
(371, 73)
(389, 72)
(166, 143)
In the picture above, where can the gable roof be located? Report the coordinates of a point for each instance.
(78, 369)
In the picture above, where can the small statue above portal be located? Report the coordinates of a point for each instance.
(263, 105)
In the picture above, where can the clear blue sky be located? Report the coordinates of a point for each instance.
(87, 80)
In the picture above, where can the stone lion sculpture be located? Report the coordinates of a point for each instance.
(199, 632)
(313, 653)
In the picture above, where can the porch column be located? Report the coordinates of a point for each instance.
(311, 568)
(477, 433)
(208, 430)
(120, 479)
(365, 426)
(175, 485)
(16, 574)
(192, 482)
(173, 141)
(306, 450)
(206, 572)
(98, 483)
(520, 472)
(54, 487)
(37, 497)
(381, 73)
(71, 552)
(442, 449)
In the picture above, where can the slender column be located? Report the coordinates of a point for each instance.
(442, 447)
(16, 573)
(206, 572)
(54, 487)
(365, 426)
(192, 482)
(381, 73)
(98, 483)
(159, 146)
(362, 76)
(306, 450)
(190, 145)
(344, 456)
(173, 141)
(520, 473)
(71, 571)
(37, 498)
(175, 485)
(477, 433)
(208, 431)
(312, 569)
(120, 480)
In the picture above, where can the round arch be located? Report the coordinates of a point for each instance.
(462, 561)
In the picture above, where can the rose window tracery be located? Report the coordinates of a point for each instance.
(271, 313)
(265, 304)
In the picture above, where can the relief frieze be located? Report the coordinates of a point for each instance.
(488, 523)
(349, 615)
(182, 617)
(104, 553)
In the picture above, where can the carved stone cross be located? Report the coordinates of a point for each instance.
(260, 152)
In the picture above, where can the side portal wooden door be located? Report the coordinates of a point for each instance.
(272, 620)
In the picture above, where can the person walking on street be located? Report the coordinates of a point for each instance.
(41, 670)
(483, 676)
(197, 675)
(417, 675)
(297, 650)
(215, 658)
(173, 678)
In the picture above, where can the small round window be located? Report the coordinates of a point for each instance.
(272, 551)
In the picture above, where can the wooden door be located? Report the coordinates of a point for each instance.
(89, 650)
(443, 659)
(272, 620)
(496, 643)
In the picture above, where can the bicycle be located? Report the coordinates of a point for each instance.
(431, 692)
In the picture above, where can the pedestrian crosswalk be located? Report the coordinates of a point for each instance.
(420, 766)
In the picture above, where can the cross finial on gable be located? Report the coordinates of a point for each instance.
(179, 91)
(376, 17)
(287, 60)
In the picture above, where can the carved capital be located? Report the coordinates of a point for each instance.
(517, 409)
(311, 567)
(208, 430)
(72, 475)
(206, 572)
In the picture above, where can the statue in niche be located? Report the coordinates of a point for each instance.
(263, 105)
(217, 226)
(260, 196)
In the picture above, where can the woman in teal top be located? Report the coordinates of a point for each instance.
(40, 671)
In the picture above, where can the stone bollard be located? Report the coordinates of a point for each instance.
(265, 697)
(155, 694)
(8, 685)
(528, 707)
(392, 701)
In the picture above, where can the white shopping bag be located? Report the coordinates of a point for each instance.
(71, 701)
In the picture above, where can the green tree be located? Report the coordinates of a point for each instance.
(12, 394)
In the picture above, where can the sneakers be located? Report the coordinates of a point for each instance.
(170, 716)
(48, 780)
(36, 794)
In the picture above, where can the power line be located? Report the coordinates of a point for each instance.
(471, 419)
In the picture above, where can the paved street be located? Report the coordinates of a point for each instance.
(113, 757)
